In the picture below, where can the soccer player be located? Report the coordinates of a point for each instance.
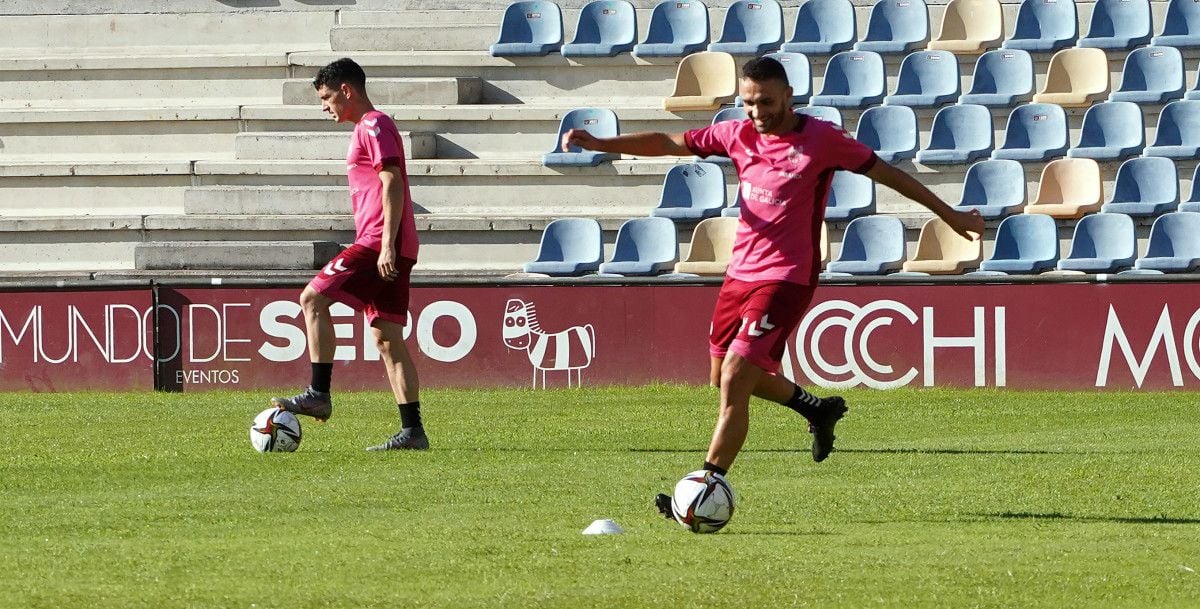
(785, 163)
(372, 275)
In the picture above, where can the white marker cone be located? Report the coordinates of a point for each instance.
(603, 527)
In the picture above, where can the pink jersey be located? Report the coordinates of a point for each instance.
(784, 184)
(376, 142)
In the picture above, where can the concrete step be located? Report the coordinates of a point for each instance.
(235, 255)
(400, 91)
(119, 29)
(319, 145)
(448, 36)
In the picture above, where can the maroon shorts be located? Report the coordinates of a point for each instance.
(352, 278)
(755, 319)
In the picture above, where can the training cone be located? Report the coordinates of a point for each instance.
(603, 527)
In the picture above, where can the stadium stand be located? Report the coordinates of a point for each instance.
(970, 27)
(1173, 246)
(825, 113)
(529, 29)
(1118, 25)
(1145, 187)
(871, 245)
(676, 29)
(600, 122)
(1111, 131)
(941, 251)
(1035, 132)
(752, 27)
(927, 79)
(853, 79)
(1181, 25)
(606, 28)
(1002, 78)
(1076, 78)
(569, 247)
(891, 131)
(960, 134)
(645, 246)
(850, 195)
(692, 192)
(704, 81)
(1024, 244)
(996, 188)
(711, 247)
(1178, 133)
(1043, 26)
(823, 27)
(1152, 75)
(1102, 243)
(1069, 188)
(896, 26)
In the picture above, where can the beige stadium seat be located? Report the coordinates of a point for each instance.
(824, 245)
(941, 251)
(1070, 188)
(1076, 78)
(712, 245)
(704, 81)
(970, 27)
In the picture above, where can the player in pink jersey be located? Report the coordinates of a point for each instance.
(785, 164)
(372, 275)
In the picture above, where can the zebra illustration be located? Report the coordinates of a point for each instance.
(570, 350)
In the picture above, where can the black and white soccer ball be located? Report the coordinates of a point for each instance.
(703, 502)
(275, 430)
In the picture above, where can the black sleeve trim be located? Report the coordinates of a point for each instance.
(869, 164)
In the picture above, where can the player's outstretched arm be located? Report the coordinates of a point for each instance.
(968, 224)
(638, 144)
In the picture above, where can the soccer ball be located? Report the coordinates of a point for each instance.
(703, 502)
(275, 430)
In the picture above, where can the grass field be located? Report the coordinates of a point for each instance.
(934, 499)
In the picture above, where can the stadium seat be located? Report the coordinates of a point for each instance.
(850, 195)
(871, 245)
(703, 81)
(691, 192)
(1102, 243)
(1145, 186)
(1044, 26)
(896, 26)
(606, 28)
(645, 246)
(970, 27)
(676, 29)
(995, 188)
(1025, 245)
(799, 75)
(1173, 246)
(941, 251)
(927, 79)
(891, 131)
(824, 244)
(529, 29)
(1035, 132)
(752, 27)
(600, 122)
(570, 246)
(960, 134)
(1192, 203)
(1118, 25)
(711, 247)
(1076, 78)
(1178, 133)
(1152, 75)
(825, 113)
(1181, 26)
(1111, 131)
(735, 208)
(736, 113)
(853, 79)
(1002, 78)
(1194, 92)
(823, 27)
(1069, 188)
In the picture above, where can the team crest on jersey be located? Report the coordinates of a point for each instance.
(795, 155)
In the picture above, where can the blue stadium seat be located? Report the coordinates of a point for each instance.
(1035, 132)
(960, 134)
(926, 79)
(1194, 92)
(1003, 77)
(677, 28)
(825, 113)
(1145, 186)
(600, 122)
(799, 75)
(606, 28)
(996, 188)
(1044, 26)
(853, 79)
(1173, 246)
(752, 27)
(896, 26)
(850, 195)
(1025, 244)
(570, 246)
(1181, 26)
(692, 191)
(736, 113)
(1178, 133)
(891, 131)
(735, 208)
(1103, 243)
(645, 246)
(1152, 75)
(1111, 131)
(823, 27)
(529, 29)
(1118, 24)
(1192, 203)
(871, 245)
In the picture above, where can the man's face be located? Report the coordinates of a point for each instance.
(335, 101)
(768, 104)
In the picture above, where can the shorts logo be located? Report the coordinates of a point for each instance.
(757, 328)
(334, 267)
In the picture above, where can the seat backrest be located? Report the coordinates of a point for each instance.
(1182, 19)
(994, 182)
(1077, 70)
(853, 72)
(1147, 179)
(646, 239)
(972, 20)
(673, 21)
(799, 72)
(1039, 19)
(1174, 234)
(928, 72)
(600, 122)
(825, 113)
(571, 240)
(938, 241)
(829, 21)
(1036, 126)
(732, 113)
(851, 190)
(888, 128)
(1153, 68)
(1111, 124)
(707, 73)
(712, 240)
(1104, 236)
(1026, 237)
(962, 126)
(1120, 18)
(1071, 181)
(695, 185)
(606, 21)
(898, 20)
(873, 238)
(1006, 71)
(1178, 124)
(753, 21)
(531, 22)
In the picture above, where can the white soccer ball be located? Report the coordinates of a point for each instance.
(703, 502)
(275, 430)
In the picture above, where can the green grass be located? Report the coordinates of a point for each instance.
(935, 499)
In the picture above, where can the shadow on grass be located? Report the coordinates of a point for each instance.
(1113, 519)
(777, 533)
(963, 451)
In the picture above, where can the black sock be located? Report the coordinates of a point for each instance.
(804, 403)
(410, 415)
(714, 469)
(322, 376)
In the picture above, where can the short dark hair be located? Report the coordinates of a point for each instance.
(762, 69)
(342, 71)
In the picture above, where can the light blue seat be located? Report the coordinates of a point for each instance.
(600, 122)
(1103, 243)
(1152, 75)
(736, 113)
(825, 113)
(1181, 26)
(960, 134)
(1145, 186)
(853, 79)
(606, 28)
(996, 188)
(891, 131)
(570, 246)
(1118, 24)
(1003, 78)
(1035, 132)
(1194, 92)
(529, 29)
(1025, 244)
(677, 28)
(692, 191)
(871, 245)
(735, 209)
(1111, 131)
(799, 76)
(896, 26)
(850, 195)
(645, 246)
(1193, 201)
(752, 27)
(1174, 246)
(823, 27)
(926, 79)
(1178, 132)
(1044, 26)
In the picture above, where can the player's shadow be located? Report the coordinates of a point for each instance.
(1069, 517)
(966, 451)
